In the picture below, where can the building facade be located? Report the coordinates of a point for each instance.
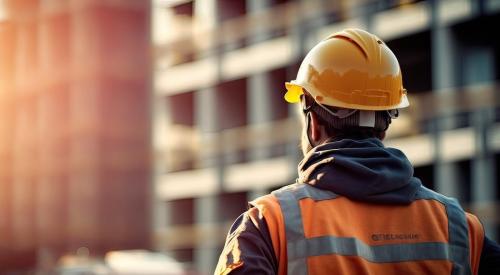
(222, 134)
(75, 149)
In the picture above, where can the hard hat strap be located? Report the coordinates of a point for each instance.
(343, 118)
(367, 118)
(393, 113)
(306, 105)
(308, 123)
(306, 110)
(339, 113)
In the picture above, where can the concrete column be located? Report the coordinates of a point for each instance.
(258, 89)
(161, 120)
(259, 29)
(483, 186)
(479, 68)
(447, 179)
(205, 110)
(259, 99)
(479, 7)
(205, 208)
(206, 252)
(162, 215)
(259, 112)
(299, 35)
(205, 12)
(206, 120)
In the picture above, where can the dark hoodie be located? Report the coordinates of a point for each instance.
(361, 170)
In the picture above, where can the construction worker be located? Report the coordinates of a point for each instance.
(356, 207)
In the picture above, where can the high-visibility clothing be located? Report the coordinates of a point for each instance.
(363, 211)
(316, 231)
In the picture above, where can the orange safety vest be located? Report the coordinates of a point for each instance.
(315, 231)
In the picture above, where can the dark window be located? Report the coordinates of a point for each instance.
(426, 175)
(229, 9)
(470, 39)
(231, 104)
(279, 2)
(279, 107)
(181, 108)
(414, 56)
(184, 9)
(181, 211)
(231, 205)
(184, 255)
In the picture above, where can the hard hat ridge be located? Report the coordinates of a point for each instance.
(350, 69)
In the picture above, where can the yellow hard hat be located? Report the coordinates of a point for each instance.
(351, 69)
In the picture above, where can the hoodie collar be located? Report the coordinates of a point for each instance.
(362, 170)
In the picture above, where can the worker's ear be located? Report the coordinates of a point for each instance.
(317, 130)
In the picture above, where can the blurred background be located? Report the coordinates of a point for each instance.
(133, 132)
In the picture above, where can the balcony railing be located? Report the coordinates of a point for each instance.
(188, 149)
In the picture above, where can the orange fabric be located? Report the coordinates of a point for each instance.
(355, 265)
(425, 220)
(269, 207)
(421, 221)
(476, 238)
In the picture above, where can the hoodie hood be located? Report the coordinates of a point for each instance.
(361, 170)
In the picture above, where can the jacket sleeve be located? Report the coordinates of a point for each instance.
(248, 248)
(490, 258)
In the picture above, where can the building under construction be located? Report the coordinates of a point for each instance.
(130, 124)
(223, 134)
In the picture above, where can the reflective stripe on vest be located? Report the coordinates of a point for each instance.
(299, 248)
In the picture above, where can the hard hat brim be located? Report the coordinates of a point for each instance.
(293, 92)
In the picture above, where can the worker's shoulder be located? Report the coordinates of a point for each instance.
(475, 225)
(472, 218)
(271, 200)
(269, 204)
(263, 202)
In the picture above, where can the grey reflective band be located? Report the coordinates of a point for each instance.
(458, 230)
(292, 215)
(299, 247)
(389, 253)
(294, 228)
(288, 198)
(306, 191)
